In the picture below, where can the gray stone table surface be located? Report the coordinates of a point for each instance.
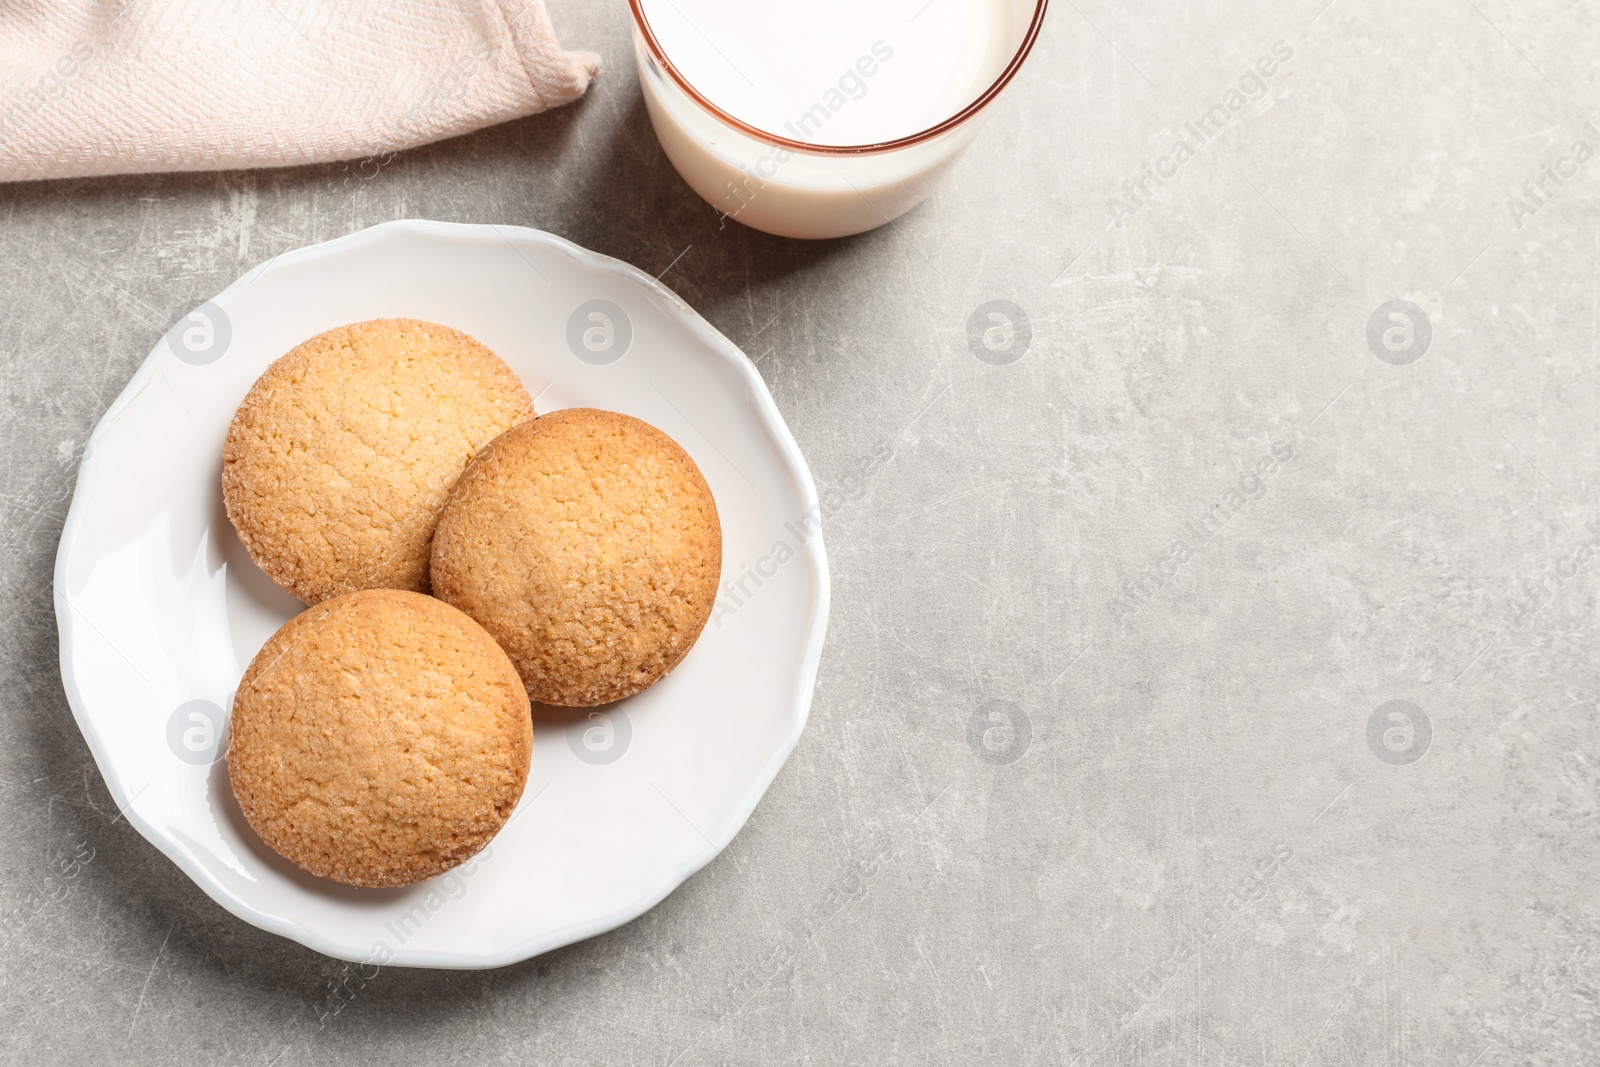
(1103, 766)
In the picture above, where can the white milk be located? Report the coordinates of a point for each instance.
(827, 73)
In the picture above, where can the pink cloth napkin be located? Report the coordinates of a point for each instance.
(117, 86)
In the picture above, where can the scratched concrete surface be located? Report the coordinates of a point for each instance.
(1105, 708)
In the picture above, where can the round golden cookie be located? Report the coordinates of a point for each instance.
(379, 738)
(342, 453)
(588, 544)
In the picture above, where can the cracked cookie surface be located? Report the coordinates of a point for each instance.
(587, 543)
(379, 738)
(342, 453)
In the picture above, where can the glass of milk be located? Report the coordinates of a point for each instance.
(821, 118)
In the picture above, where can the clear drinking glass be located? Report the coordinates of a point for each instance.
(794, 188)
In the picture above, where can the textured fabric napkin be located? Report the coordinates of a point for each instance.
(117, 86)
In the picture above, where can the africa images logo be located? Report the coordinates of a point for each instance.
(1198, 133)
(1200, 531)
(736, 592)
(850, 86)
(1537, 192)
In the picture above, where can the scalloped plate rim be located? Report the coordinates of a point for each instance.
(285, 926)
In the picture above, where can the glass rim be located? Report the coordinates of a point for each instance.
(982, 100)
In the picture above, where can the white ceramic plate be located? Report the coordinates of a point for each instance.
(160, 609)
